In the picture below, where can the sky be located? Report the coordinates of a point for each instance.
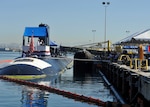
(72, 21)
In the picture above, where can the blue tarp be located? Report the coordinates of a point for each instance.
(35, 31)
(52, 43)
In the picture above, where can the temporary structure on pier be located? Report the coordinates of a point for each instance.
(142, 37)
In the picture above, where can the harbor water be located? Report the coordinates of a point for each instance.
(15, 95)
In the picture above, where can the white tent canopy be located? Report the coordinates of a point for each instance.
(136, 38)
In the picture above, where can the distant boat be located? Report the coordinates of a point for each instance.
(6, 49)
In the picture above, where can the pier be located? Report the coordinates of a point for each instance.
(131, 84)
(124, 67)
(128, 79)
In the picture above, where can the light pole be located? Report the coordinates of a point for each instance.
(105, 28)
(93, 35)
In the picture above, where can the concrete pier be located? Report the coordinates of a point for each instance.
(131, 82)
(133, 85)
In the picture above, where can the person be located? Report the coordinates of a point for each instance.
(42, 42)
(23, 54)
(38, 43)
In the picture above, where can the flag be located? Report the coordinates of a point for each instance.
(31, 48)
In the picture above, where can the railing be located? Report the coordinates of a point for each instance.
(135, 63)
(139, 64)
(36, 48)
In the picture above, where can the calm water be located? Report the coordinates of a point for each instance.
(14, 95)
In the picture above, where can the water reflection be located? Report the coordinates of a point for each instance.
(88, 86)
(32, 97)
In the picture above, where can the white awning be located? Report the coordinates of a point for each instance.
(136, 38)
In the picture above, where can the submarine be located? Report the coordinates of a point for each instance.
(36, 60)
(26, 68)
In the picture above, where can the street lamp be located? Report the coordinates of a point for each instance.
(93, 35)
(105, 5)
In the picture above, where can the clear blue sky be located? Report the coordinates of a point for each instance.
(72, 21)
